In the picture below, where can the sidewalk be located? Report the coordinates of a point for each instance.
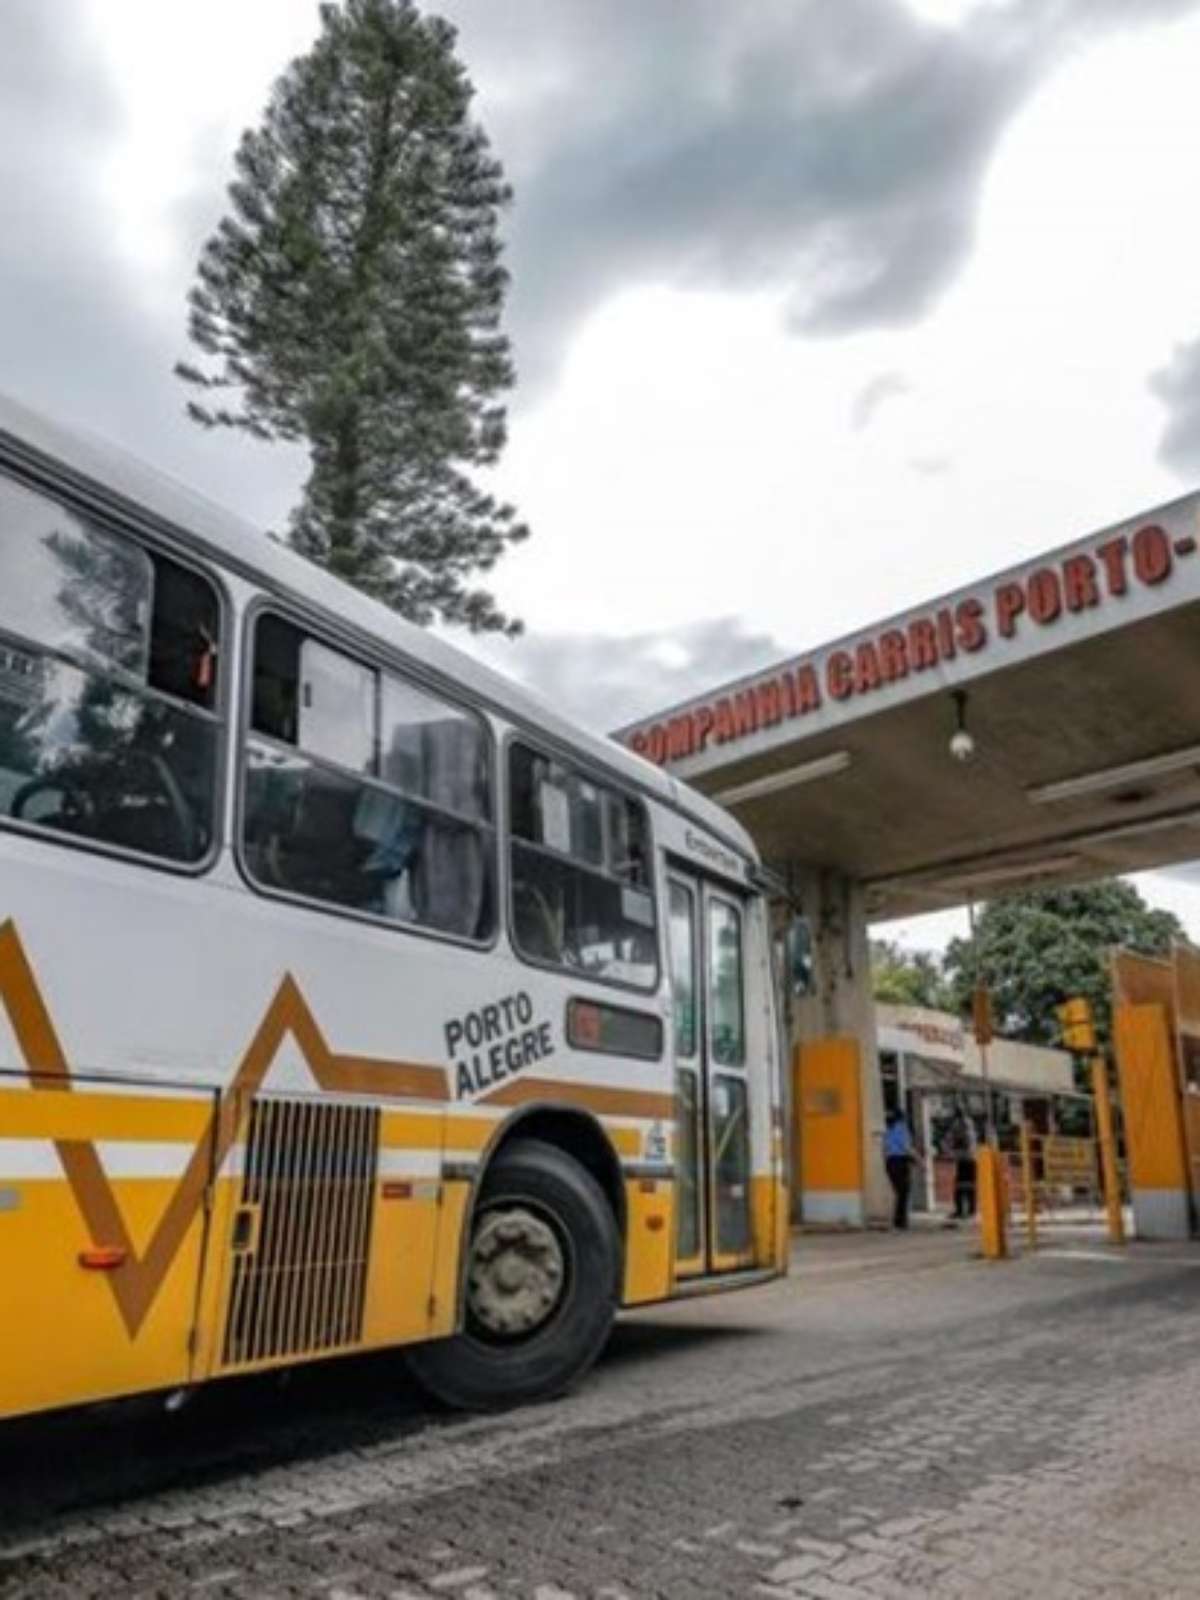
(929, 1243)
(864, 1251)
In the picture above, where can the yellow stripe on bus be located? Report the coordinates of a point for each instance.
(77, 1114)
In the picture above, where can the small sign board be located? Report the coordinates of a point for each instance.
(1070, 1163)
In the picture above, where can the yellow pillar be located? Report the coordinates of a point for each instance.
(1108, 1151)
(1030, 1191)
(1154, 1134)
(828, 1131)
(991, 1177)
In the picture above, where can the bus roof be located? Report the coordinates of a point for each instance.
(103, 472)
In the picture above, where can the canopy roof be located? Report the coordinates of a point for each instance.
(1077, 676)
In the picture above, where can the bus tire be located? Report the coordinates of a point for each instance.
(541, 1285)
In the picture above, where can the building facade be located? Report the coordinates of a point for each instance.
(931, 1067)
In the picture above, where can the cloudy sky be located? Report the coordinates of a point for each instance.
(820, 307)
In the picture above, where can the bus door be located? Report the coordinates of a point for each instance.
(712, 1139)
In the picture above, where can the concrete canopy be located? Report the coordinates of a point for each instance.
(1081, 676)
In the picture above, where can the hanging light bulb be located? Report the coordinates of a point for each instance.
(962, 745)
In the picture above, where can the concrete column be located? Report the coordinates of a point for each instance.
(842, 1002)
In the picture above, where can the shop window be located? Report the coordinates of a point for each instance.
(889, 1072)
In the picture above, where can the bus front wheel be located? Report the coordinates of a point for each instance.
(541, 1286)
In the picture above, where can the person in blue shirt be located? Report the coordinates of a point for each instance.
(898, 1157)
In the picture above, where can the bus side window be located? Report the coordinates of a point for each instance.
(109, 655)
(276, 689)
(581, 896)
(184, 622)
(364, 791)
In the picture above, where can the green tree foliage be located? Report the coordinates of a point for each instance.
(909, 977)
(1036, 950)
(352, 298)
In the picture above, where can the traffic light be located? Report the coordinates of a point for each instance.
(1078, 1026)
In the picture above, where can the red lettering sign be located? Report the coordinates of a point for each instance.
(1078, 583)
(922, 645)
(867, 675)
(1151, 555)
(945, 635)
(1010, 602)
(808, 690)
(839, 675)
(972, 632)
(1113, 556)
(1044, 596)
(893, 655)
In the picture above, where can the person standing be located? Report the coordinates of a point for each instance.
(960, 1147)
(898, 1154)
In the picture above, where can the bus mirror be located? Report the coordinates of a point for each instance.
(799, 956)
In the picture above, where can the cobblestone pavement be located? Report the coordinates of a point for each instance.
(893, 1420)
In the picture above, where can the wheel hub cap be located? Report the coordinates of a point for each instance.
(516, 1272)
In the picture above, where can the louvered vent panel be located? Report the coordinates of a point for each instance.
(303, 1233)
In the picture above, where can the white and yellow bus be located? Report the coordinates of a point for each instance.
(349, 996)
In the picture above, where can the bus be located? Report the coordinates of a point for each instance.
(351, 997)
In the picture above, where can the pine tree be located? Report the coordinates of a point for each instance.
(352, 299)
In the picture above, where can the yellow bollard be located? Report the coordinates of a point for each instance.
(1108, 1151)
(1030, 1191)
(993, 1203)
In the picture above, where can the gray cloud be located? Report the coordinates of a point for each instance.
(607, 681)
(80, 339)
(1178, 387)
(831, 152)
(887, 386)
(62, 299)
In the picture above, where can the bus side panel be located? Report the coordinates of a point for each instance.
(770, 1222)
(101, 1238)
(453, 1221)
(310, 1232)
(769, 1213)
(649, 1240)
(405, 1240)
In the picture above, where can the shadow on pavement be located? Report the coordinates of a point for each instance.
(115, 1453)
(112, 1453)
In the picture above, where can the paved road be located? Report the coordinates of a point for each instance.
(895, 1419)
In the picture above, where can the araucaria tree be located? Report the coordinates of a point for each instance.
(352, 299)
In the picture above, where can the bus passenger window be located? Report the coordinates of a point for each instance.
(183, 636)
(581, 895)
(275, 703)
(363, 791)
(726, 1020)
(108, 685)
(336, 713)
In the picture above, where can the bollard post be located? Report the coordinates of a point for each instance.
(993, 1207)
(1031, 1232)
(1108, 1151)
